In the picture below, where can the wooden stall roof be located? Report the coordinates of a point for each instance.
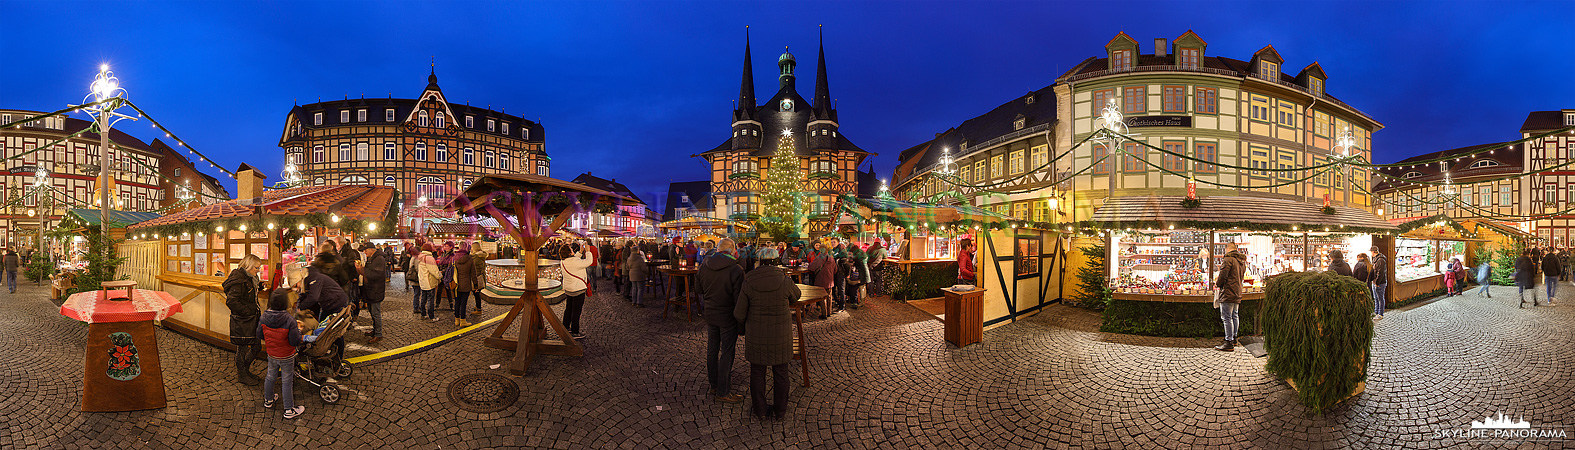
(519, 182)
(91, 216)
(353, 202)
(1501, 228)
(457, 229)
(1235, 210)
(700, 223)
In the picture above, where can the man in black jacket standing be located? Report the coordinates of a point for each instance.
(374, 276)
(1380, 274)
(717, 283)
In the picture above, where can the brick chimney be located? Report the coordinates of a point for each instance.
(249, 183)
(1161, 46)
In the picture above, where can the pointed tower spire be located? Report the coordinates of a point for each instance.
(822, 100)
(432, 77)
(746, 90)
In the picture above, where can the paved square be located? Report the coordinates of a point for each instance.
(882, 378)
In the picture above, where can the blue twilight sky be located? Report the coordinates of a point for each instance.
(629, 90)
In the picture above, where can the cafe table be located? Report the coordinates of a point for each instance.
(121, 367)
(679, 282)
(807, 296)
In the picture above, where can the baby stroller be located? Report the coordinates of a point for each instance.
(321, 357)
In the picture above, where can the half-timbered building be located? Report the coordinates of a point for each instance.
(423, 147)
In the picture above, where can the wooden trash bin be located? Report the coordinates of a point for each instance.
(964, 316)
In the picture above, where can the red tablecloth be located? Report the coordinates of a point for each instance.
(145, 304)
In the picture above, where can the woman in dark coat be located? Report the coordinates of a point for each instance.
(765, 314)
(240, 294)
(465, 283)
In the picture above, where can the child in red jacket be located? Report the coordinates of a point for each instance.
(280, 334)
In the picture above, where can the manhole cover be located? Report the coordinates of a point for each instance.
(483, 392)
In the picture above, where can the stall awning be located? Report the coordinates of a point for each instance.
(918, 213)
(1224, 213)
(90, 217)
(457, 229)
(700, 223)
(349, 202)
(1502, 228)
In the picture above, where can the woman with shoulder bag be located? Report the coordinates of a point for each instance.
(575, 286)
(240, 294)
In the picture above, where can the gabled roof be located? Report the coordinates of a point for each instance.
(1508, 159)
(1268, 51)
(1119, 37)
(990, 125)
(1191, 34)
(352, 202)
(604, 184)
(699, 193)
(1312, 69)
(1544, 120)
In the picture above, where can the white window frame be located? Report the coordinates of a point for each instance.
(360, 115)
(505, 130)
(441, 120)
(177, 171)
(489, 159)
(470, 121)
(470, 156)
(344, 116)
(388, 115)
(442, 152)
(421, 118)
(317, 154)
(541, 169)
(389, 151)
(389, 181)
(317, 119)
(503, 160)
(363, 151)
(492, 125)
(344, 152)
(421, 151)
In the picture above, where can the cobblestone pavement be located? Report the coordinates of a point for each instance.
(882, 378)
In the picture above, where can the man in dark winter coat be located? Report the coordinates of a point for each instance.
(765, 311)
(1551, 269)
(1232, 269)
(374, 274)
(319, 292)
(718, 282)
(1380, 275)
(1526, 275)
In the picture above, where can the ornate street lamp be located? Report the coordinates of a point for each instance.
(107, 96)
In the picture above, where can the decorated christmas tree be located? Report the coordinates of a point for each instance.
(781, 207)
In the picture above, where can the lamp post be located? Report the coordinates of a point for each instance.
(39, 177)
(106, 89)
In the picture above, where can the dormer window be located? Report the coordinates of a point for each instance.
(317, 118)
(1315, 85)
(1268, 70)
(1019, 123)
(344, 116)
(470, 122)
(505, 128)
(1187, 58)
(1484, 163)
(388, 115)
(1411, 175)
(360, 115)
(1569, 119)
(525, 133)
(1121, 60)
(1029, 100)
(492, 125)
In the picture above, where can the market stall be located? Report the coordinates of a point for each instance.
(1421, 257)
(693, 225)
(1161, 253)
(72, 240)
(190, 252)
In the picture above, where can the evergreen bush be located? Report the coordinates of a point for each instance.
(1174, 319)
(1318, 334)
(39, 268)
(102, 260)
(1093, 291)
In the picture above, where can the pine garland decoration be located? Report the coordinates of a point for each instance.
(781, 207)
(1318, 334)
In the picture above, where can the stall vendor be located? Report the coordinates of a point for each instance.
(965, 269)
